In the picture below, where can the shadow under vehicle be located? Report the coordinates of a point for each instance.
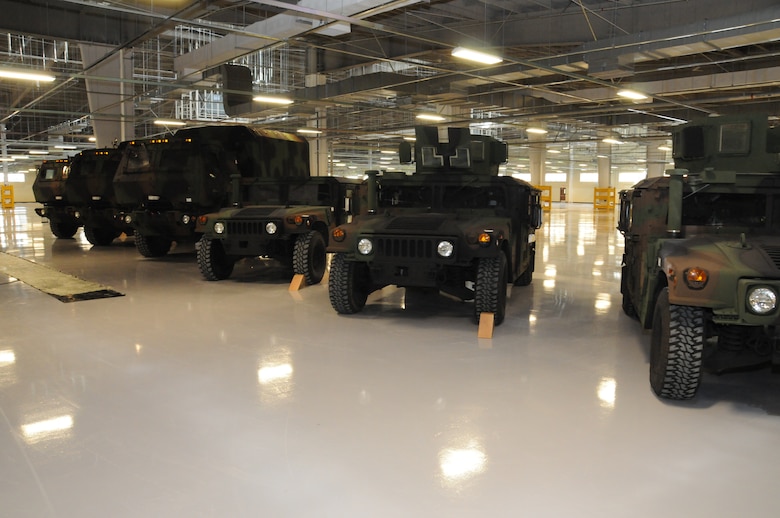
(701, 266)
(163, 185)
(454, 226)
(289, 220)
(49, 190)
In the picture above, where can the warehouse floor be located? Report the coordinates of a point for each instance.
(240, 398)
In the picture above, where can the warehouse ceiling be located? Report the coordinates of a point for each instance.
(361, 71)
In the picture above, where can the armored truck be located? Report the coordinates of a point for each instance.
(49, 190)
(89, 190)
(453, 226)
(163, 185)
(289, 220)
(701, 267)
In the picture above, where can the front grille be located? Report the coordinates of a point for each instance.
(245, 228)
(256, 212)
(416, 223)
(406, 248)
(774, 254)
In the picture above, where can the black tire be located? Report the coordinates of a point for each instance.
(100, 236)
(490, 289)
(349, 285)
(676, 344)
(214, 264)
(528, 275)
(152, 246)
(309, 257)
(63, 229)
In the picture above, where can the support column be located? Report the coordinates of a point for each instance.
(537, 155)
(110, 93)
(604, 163)
(656, 159)
(4, 146)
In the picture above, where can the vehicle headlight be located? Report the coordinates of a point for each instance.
(445, 248)
(484, 239)
(77, 215)
(185, 219)
(270, 227)
(219, 227)
(761, 300)
(365, 246)
(128, 219)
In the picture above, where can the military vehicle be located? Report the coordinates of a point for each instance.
(453, 226)
(89, 190)
(163, 185)
(289, 220)
(701, 267)
(49, 189)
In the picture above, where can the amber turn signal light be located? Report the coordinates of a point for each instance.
(696, 278)
(338, 234)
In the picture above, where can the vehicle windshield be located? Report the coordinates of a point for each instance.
(729, 210)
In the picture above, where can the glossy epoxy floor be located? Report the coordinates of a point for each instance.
(238, 398)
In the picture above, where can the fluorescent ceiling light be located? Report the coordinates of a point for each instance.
(309, 131)
(632, 94)
(25, 75)
(37, 152)
(612, 141)
(271, 100)
(664, 148)
(537, 131)
(430, 117)
(6, 159)
(410, 139)
(165, 122)
(64, 146)
(475, 55)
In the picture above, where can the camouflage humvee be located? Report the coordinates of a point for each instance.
(289, 220)
(49, 189)
(163, 185)
(90, 191)
(454, 226)
(702, 253)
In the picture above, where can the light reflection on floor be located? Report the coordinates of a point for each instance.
(238, 398)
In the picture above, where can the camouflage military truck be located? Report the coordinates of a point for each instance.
(289, 220)
(454, 226)
(90, 192)
(702, 253)
(163, 185)
(49, 190)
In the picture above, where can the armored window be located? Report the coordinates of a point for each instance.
(688, 144)
(430, 158)
(461, 159)
(49, 173)
(734, 139)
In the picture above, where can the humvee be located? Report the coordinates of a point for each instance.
(453, 226)
(701, 266)
(289, 220)
(49, 189)
(163, 185)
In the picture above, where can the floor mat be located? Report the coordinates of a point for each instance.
(62, 286)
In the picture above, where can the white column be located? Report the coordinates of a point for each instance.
(656, 159)
(537, 155)
(604, 163)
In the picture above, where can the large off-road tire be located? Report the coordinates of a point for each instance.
(100, 236)
(152, 246)
(309, 257)
(528, 275)
(490, 289)
(63, 229)
(214, 264)
(676, 345)
(349, 285)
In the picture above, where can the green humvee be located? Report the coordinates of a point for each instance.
(289, 220)
(701, 266)
(454, 226)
